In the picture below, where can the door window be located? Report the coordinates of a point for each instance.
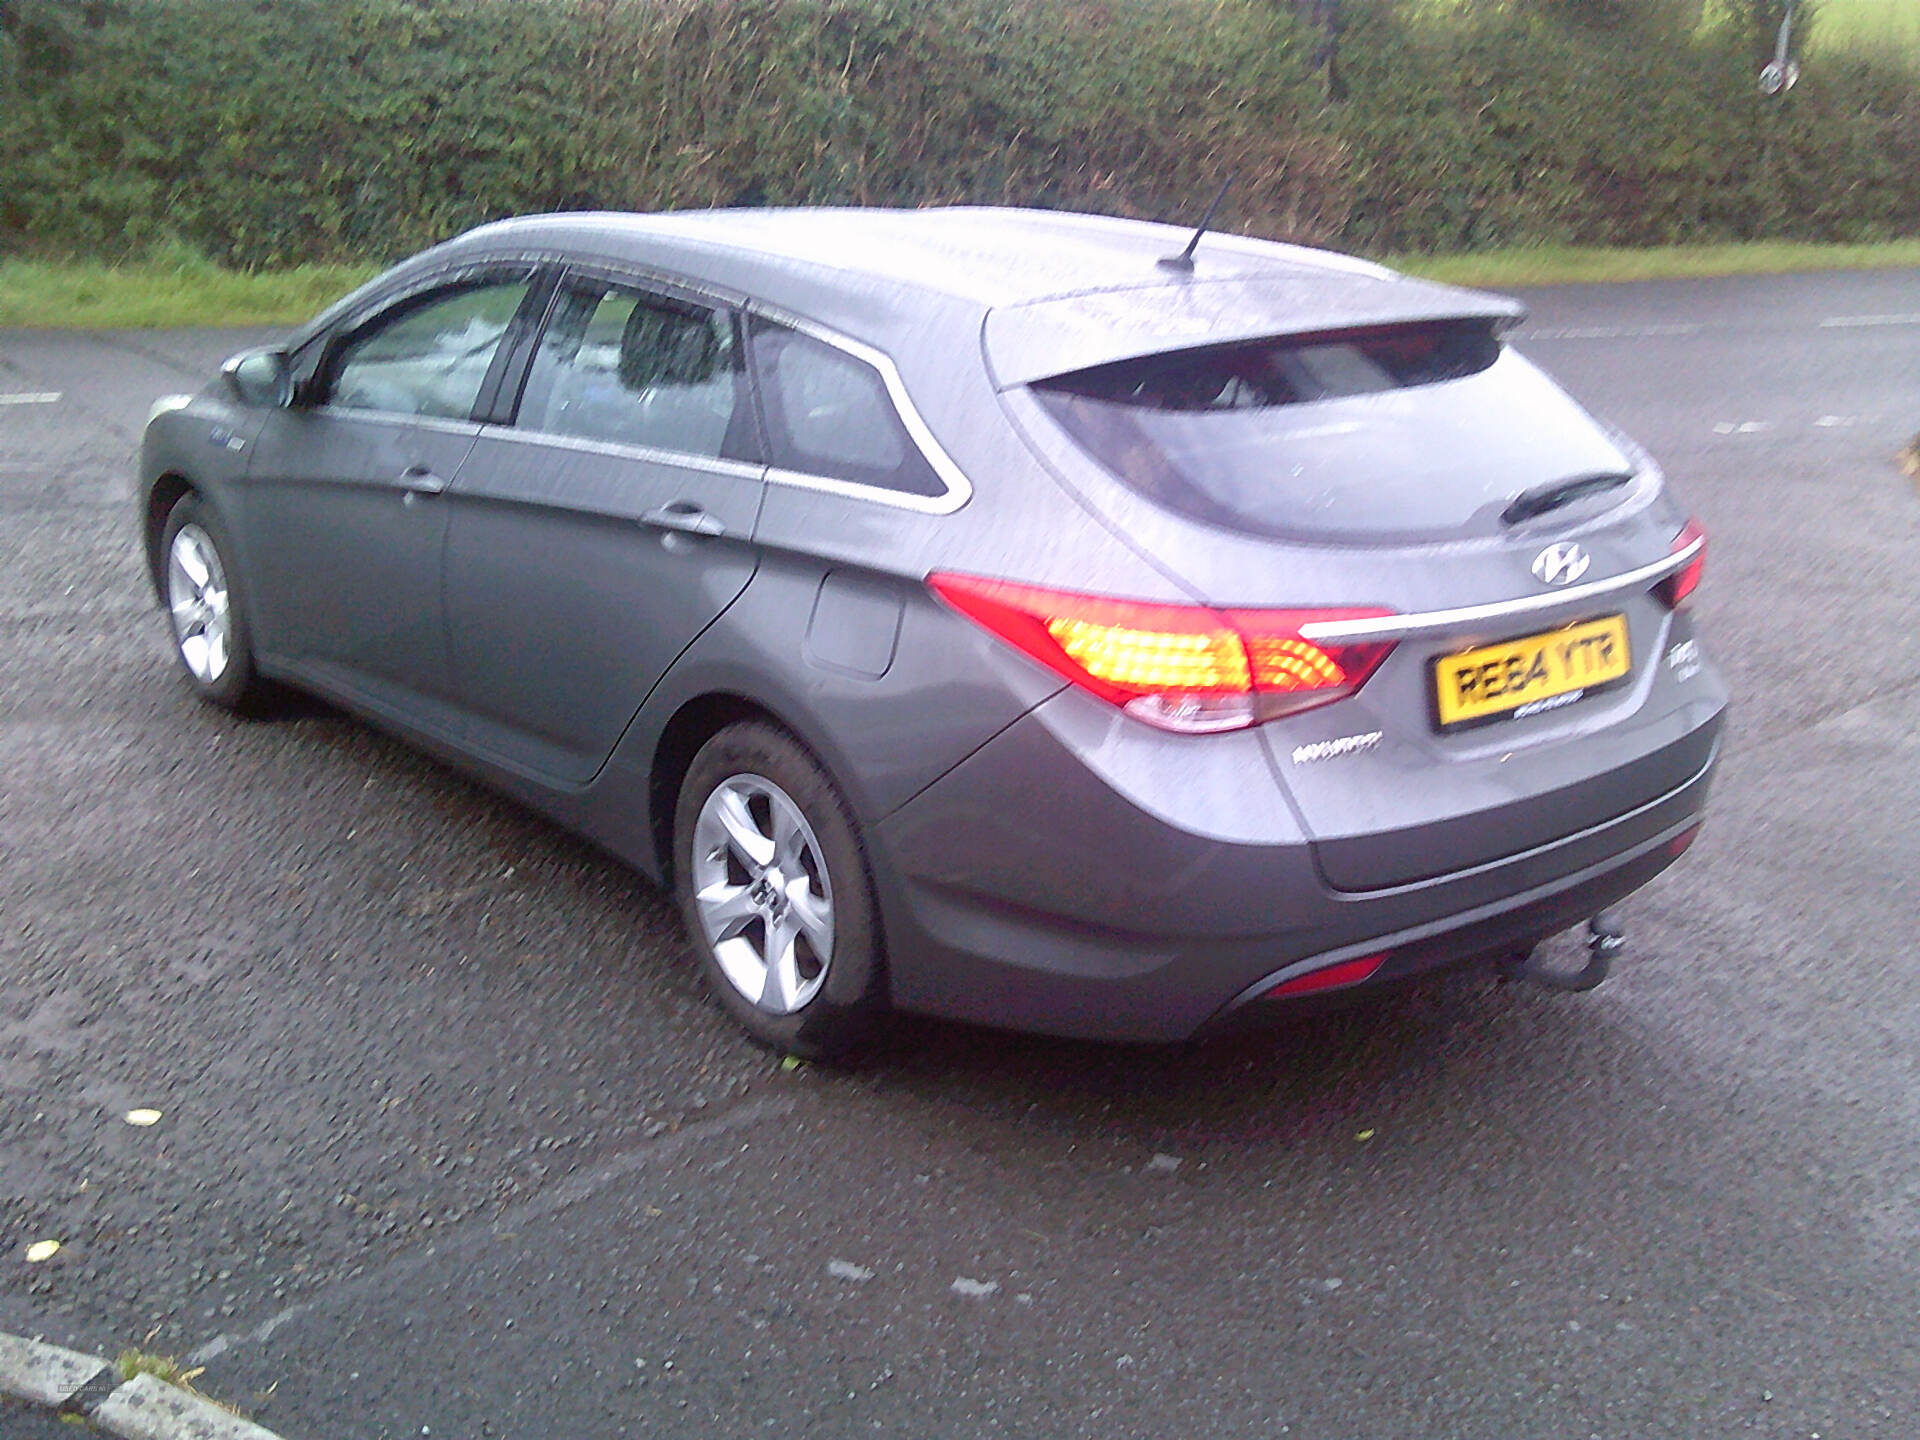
(629, 368)
(429, 357)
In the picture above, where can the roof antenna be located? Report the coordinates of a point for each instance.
(1184, 260)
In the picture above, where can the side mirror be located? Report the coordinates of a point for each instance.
(261, 378)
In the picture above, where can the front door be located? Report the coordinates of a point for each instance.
(343, 517)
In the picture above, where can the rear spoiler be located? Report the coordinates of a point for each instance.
(1044, 338)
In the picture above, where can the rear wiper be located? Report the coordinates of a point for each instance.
(1551, 496)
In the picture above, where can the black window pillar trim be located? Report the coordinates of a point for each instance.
(500, 391)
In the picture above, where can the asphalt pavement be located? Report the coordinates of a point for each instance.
(450, 1143)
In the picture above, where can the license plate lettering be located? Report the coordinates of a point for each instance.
(1515, 677)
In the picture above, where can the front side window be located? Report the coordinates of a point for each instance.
(430, 356)
(829, 414)
(630, 368)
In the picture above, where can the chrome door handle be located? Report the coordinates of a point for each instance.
(418, 480)
(685, 517)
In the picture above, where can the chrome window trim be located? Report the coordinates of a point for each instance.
(1400, 627)
(684, 459)
(959, 489)
(856, 490)
(397, 418)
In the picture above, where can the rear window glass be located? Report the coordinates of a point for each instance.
(1408, 431)
(829, 414)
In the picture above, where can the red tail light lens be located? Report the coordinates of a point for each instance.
(1332, 977)
(1677, 587)
(1181, 667)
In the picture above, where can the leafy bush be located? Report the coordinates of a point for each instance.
(273, 132)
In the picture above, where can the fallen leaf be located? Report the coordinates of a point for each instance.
(1364, 1135)
(42, 1250)
(143, 1118)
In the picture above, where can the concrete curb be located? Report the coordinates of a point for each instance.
(142, 1408)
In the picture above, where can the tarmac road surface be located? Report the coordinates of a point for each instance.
(451, 1144)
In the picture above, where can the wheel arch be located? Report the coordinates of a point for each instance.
(697, 721)
(162, 496)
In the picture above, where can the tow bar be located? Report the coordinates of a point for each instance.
(1606, 938)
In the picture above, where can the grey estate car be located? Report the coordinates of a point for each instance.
(985, 613)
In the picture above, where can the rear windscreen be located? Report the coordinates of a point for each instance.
(1404, 431)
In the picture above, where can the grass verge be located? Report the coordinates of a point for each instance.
(161, 1367)
(1577, 264)
(170, 1371)
(156, 295)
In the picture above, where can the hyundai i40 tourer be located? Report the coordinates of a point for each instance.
(984, 613)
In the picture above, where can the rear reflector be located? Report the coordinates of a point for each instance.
(1678, 586)
(1677, 846)
(1181, 667)
(1347, 972)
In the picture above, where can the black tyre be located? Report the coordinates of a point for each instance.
(211, 638)
(773, 886)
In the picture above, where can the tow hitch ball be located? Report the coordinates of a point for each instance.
(1606, 938)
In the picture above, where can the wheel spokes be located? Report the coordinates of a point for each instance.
(743, 831)
(781, 992)
(727, 909)
(790, 838)
(192, 559)
(812, 915)
(198, 603)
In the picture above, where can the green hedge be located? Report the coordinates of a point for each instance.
(271, 132)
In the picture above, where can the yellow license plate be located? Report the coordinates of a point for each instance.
(1534, 673)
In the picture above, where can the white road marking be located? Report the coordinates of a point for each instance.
(1847, 322)
(1744, 427)
(1610, 332)
(31, 397)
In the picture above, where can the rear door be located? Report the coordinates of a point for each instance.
(602, 523)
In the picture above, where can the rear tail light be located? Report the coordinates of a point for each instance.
(1181, 667)
(1678, 586)
(1331, 977)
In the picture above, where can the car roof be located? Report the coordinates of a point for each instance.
(1042, 292)
(990, 256)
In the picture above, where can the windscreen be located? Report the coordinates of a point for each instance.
(1410, 431)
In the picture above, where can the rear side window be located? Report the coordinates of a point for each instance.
(1411, 431)
(430, 356)
(619, 365)
(829, 414)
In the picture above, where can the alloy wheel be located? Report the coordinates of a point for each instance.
(197, 599)
(762, 893)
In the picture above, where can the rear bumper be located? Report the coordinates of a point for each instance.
(1059, 907)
